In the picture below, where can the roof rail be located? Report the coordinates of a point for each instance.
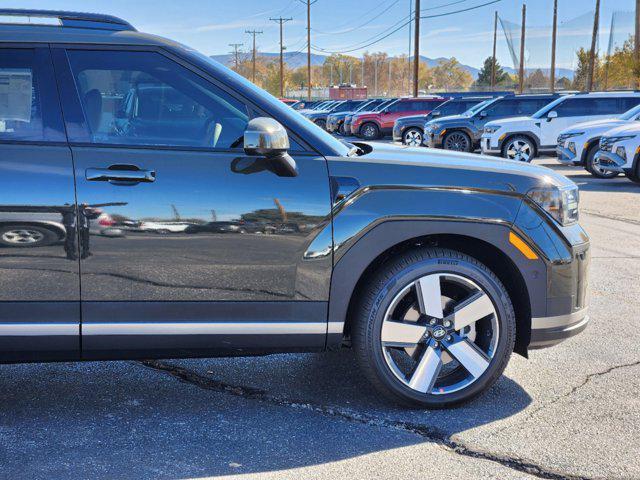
(68, 19)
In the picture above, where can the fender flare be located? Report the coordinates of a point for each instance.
(583, 156)
(525, 133)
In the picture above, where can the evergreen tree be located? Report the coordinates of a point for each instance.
(484, 76)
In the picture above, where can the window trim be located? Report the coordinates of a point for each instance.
(61, 60)
(55, 95)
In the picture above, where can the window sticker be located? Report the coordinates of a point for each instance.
(16, 87)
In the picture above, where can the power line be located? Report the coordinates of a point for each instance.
(236, 52)
(253, 59)
(460, 11)
(361, 25)
(435, 7)
(281, 21)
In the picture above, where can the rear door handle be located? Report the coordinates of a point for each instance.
(120, 173)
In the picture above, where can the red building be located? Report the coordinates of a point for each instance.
(347, 92)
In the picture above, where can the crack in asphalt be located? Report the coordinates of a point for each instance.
(571, 392)
(431, 434)
(631, 221)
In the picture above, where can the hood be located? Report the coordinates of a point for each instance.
(449, 118)
(633, 128)
(430, 167)
(509, 121)
(595, 126)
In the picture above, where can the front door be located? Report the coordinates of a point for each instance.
(187, 244)
(39, 286)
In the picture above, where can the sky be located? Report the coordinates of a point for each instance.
(341, 25)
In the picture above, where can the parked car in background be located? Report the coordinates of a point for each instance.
(522, 138)
(578, 144)
(620, 151)
(163, 228)
(463, 132)
(306, 104)
(410, 130)
(348, 119)
(288, 101)
(373, 125)
(335, 120)
(317, 106)
(320, 117)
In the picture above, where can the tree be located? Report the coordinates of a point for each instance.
(537, 80)
(484, 76)
(582, 71)
(450, 75)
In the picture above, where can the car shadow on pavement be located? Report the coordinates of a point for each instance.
(225, 416)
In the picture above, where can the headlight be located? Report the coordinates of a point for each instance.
(560, 203)
(565, 136)
(492, 129)
(434, 127)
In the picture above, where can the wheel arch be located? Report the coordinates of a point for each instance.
(585, 151)
(369, 120)
(378, 245)
(529, 135)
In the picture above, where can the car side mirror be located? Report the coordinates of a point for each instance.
(435, 113)
(483, 113)
(551, 115)
(265, 137)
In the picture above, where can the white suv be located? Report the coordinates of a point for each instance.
(522, 138)
(578, 145)
(619, 151)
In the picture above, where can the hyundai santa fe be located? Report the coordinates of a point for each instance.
(433, 266)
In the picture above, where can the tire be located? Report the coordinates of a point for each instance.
(591, 166)
(388, 356)
(26, 236)
(519, 148)
(413, 137)
(321, 123)
(457, 141)
(342, 131)
(634, 175)
(370, 131)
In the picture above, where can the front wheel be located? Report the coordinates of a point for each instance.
(434, 328)
(519, 148)
(370, 131)
(457, 141)
(413, 137)
(592, 166)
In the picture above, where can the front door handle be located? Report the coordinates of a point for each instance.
(120, 173)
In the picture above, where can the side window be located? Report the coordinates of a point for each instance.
(502, 108)
(397, 107)
(577, 107)
(627, 103)
(143, 98)
(29, 107)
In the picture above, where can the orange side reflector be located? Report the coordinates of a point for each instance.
(525, 249)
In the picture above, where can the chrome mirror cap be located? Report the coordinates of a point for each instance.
(266, 137)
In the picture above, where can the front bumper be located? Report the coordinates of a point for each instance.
(485, 147)
(610, 161)
(397, 134)
(433, 139)
(566, 156)
(549, 331)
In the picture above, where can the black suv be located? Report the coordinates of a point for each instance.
(410, 130)
(462, 132)
(320, 117)
(434, 267)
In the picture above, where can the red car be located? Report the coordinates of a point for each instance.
(373, 125)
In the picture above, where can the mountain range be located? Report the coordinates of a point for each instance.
(297, 59)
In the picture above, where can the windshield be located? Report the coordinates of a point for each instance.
(631, 114)
(365, 105)
(548, 107)
(476, 108)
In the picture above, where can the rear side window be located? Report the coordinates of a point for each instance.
(578, 107)
(144, 98)
(29, 107)
(627, 103)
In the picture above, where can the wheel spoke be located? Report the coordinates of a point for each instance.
(430, 296)
(469, 356)
(401, 334)
(426, 372)
(471, 310)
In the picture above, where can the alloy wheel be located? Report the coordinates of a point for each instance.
(519, 150)
(413, 138)
(457, 142)
(440, 333)
(22, 236)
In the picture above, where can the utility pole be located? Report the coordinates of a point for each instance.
(554, 34)
(253, 55)
(416, 49)
(592, 52)
(389, 80)
(236, 54)
(281, 21)
(308, 3)
(375, 75)
(408, 84)
(522, 38)
(493, 57)
(362, 74)
(636, 48)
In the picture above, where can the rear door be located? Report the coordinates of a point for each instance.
(39, 290)
(202, 248)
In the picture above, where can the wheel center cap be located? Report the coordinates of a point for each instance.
(439, 333)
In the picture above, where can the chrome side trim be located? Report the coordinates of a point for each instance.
(335, 327)
(560, 320)
(38, 329)
(218, 328)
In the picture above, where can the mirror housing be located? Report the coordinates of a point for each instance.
(552, 114)
(435, 113)
(266, 137)
(483, 113)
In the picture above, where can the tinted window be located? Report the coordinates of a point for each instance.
(143, 98)
(515, 107)
(29, 108)
(577, 107)
(628, 103)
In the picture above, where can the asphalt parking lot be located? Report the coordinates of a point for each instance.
(568, 412)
